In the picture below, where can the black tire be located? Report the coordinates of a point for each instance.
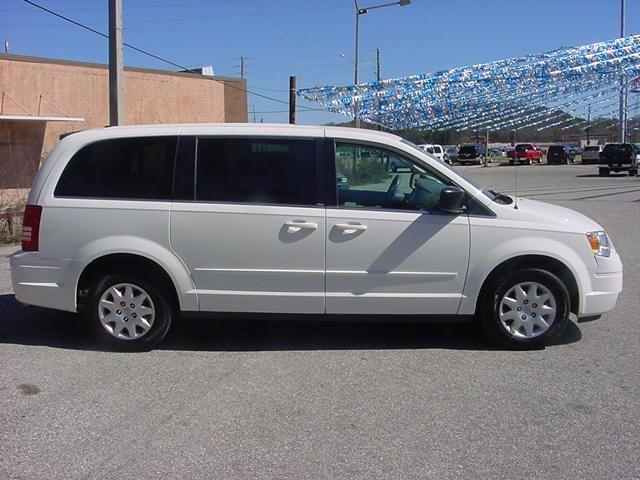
(633, 173)
(603, 172)
(490, 304)
(165, 311)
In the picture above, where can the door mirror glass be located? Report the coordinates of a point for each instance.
(452, 200)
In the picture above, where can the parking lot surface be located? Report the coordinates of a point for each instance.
(268, 398)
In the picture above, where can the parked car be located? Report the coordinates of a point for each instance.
(591, 154)
(525, 153)
(132, 226)
(619, 157)
(560, 154)
(451, 154)
(435, 150)
(576, 151)
(470, 154)
(341, 180)
(497, 152)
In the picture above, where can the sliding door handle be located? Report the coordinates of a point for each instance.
(350, 228)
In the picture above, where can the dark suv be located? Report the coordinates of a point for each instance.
(471, 154)
(619, 157)
(559, 154)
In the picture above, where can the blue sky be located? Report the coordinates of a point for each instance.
(306, 37)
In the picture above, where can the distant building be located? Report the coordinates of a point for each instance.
(44, 98)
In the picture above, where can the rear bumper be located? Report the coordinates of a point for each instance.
(44, 282)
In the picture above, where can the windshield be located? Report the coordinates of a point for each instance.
(613, 147)
(522, 147)
(467, 149)
(591, 149)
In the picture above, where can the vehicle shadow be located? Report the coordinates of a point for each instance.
(22, 325)
(594, 175)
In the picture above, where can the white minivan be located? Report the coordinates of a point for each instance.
(132, 226)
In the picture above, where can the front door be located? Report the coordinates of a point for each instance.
(253, 237)
(389, 249)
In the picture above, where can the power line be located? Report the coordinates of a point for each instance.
(157, 57)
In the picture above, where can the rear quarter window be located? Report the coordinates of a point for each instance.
(121, 168)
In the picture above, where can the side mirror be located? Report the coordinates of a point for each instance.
(452, 200)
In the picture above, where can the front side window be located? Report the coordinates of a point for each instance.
(250, 170)
(121, 168)
(376, 178)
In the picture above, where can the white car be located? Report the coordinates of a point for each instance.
(591, 154)
(133, 225)
(435, 150)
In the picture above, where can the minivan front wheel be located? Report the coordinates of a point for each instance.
(127, 312)
(528, 308)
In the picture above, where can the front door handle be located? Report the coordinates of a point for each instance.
(297, 226)
(350, 228)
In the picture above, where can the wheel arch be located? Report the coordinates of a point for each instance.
(553, 265)
(125, 262)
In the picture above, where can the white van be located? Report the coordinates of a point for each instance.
(133, 225)
(435, 150)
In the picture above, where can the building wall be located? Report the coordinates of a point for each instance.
(82, 90)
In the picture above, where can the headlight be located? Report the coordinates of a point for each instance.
(599, 243)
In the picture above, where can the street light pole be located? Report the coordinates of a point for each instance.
(356, 101)
(623, 85)
(362, 11)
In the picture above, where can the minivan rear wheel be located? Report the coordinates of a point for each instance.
(528, 308)
(128, 312)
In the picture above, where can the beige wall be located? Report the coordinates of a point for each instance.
(82, 90)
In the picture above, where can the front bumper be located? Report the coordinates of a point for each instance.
(44, 282)
(605, 284)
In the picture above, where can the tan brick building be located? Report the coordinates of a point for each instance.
(44, 98)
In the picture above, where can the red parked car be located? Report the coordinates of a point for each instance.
(525, 153)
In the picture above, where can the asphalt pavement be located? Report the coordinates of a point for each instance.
(268, 398)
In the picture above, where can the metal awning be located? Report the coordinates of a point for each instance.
(38, 118)
(29, 117)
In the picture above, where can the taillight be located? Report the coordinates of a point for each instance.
(31, 228)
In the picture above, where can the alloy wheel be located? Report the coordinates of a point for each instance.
(126, 311)
(527, 310)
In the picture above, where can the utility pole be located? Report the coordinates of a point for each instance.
(356, 102)
(623, 85)
(292, 99)
(486, 148)
(589, 126)
(241, 67)
(254, 114)
(378, 65)
(116, 77)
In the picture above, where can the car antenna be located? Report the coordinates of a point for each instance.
(515, 171)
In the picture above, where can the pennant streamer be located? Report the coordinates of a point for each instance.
(539, 90)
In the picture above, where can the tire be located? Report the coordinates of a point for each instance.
(633, 173)
(529, 162)
(135, 335)
(528, 333)
(603, 172)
